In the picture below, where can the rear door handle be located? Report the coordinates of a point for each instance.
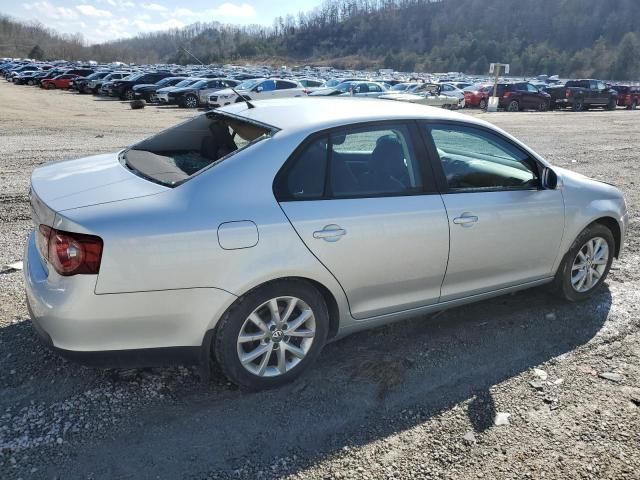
(330, 233)
(466, 220)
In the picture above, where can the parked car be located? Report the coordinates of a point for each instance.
(628, 96)
(83, 84)
(451, 90)
(403, 87)
(518, 96)
(253, 234)
(258, 89)
(123, 88)
(162, 94)
(147, 91)
(580, 95)
(197, 94)
(60, 82)
(477, 95)
(424, 94)
(104, 86)
(357, 88)
(24, 77)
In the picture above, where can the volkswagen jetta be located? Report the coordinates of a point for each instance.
(254, 234)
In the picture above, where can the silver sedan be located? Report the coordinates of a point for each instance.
(255, 233)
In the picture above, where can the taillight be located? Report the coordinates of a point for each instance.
(567, 93)
(70, 253)
(506, 94)
(306, 92)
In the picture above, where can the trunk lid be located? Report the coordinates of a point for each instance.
(87, 181)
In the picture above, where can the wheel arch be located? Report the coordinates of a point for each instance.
(613, 225)
(330, 301)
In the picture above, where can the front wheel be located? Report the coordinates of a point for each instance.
(612, 104)
(191, 101)
(129, 95)
(514, 106)
(483, 104)
(543, 106)
(51, 86)
(272, 334)
(586, 264)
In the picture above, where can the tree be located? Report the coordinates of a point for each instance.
(36, 53)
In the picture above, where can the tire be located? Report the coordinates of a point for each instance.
(190, 101)
(612, 104)
(634, 105)
(483, 104)
(31, 83)
(543, 106)
(513, 106)
(578, 105)
(51, 86)
(128, 95)
(227, 348)
(564, 282)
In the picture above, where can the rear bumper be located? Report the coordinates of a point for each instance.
(122, 329)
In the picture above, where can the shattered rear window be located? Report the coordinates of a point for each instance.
(175, 155)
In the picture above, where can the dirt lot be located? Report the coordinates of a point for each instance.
(413, 400)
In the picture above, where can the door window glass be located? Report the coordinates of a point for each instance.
(531, 88)
(281, 85)
(351, 163)
(268, 86)
(476, 160)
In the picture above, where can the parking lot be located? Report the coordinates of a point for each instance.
(416, 399)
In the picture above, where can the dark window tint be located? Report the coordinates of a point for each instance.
(354, 163)
(475, 160)
(306, 178)
(282, 85)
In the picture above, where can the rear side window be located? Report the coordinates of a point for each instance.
(351, 163)
(282, 85)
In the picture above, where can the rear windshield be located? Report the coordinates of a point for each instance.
(175, 155)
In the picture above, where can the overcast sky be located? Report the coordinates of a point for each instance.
(102, 20)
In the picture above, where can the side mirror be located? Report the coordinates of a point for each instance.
(259, 88)
(549, 179)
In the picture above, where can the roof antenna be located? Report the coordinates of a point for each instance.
(249, 104)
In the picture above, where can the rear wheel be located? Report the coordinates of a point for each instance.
(272, 334)
(634, 105)
(612, 104)
(586, 264)
(543, 106)
(578, 105)
(129, 95)
(51, 86)
(483, 104)
(513, 106)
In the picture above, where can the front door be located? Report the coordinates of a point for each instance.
(360, 201)
(505, 229)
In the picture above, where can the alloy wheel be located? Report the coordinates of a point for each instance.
(590, 264)
(276, 336)
(514, 106)
(191, 102)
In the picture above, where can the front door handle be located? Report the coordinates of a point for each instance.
(330, 233)
(466, 220)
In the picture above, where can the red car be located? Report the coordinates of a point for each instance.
(477, 95)
(61, 81)
(628, 96)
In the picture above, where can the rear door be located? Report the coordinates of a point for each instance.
(505, 229)
(287, 89)
(381, 229)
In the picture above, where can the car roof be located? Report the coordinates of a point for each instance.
(310, 114)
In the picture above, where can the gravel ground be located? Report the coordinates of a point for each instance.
(418, 399)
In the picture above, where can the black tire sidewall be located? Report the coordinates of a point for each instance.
(228, 329)
(563, 277)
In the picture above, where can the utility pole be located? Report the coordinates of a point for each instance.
(494, 68)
